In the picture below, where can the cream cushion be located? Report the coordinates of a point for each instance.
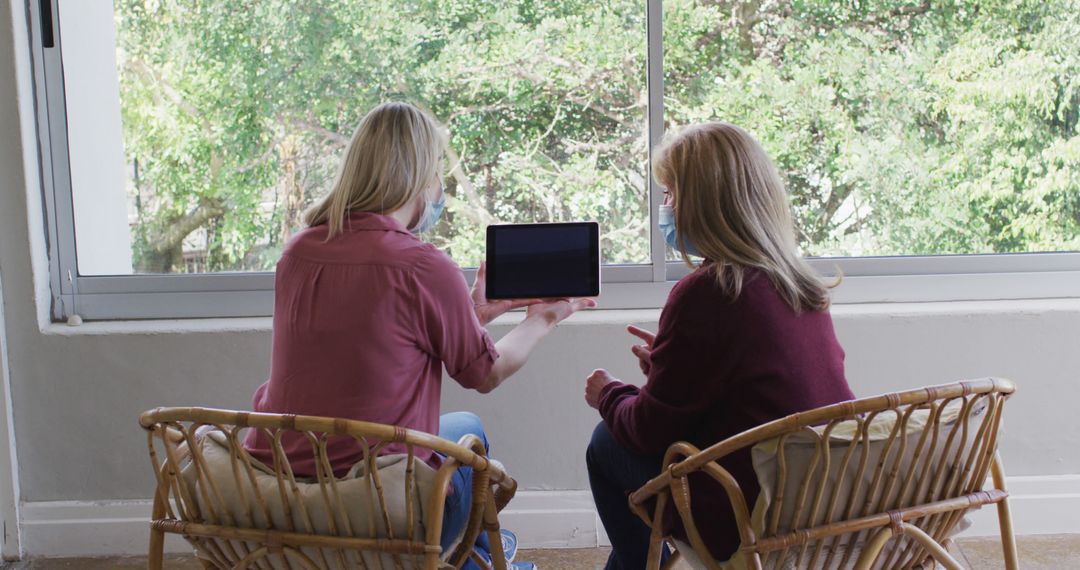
(235, 502)
(799, 452)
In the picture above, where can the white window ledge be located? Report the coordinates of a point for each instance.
(599, 316)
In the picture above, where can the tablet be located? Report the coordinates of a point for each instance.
(526, 261)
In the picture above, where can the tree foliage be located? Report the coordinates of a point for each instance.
(900, 126)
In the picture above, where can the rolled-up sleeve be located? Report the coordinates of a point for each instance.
(448, 327)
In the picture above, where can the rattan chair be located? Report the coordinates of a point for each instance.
(889, 494)
(285, 522)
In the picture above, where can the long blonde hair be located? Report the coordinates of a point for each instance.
(731, 203)
(394, 155)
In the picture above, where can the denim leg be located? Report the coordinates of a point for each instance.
(615, 472)
(454, 426)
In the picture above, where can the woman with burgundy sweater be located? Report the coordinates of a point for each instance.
(744, 339)
(367, 315)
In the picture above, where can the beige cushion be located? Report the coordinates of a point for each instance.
(799, 451)
(357, 491)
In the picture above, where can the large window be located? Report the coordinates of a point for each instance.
(902, 127)
(187, 137)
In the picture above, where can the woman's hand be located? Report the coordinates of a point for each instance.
(514, 348)
(642, 351)
(486, 311)
(555, 311)
(594, 385)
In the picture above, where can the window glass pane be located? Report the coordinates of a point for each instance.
(235, 115)
(902, 127)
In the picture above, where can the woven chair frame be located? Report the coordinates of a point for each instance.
(910, 507)
(222, 542)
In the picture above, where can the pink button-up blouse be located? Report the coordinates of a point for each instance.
(363, 325)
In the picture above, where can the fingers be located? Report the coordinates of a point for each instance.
(643, 354)
(479, 284)
(519, 303)
(586, 303)
(641, 333)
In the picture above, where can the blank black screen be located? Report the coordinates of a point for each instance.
(543, 260)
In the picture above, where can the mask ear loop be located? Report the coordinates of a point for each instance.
(425, 213)
(425, 206)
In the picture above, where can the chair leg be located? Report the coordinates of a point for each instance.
(156, 553)
(491, 524)
(872, 549)
(656, 538)
(1008, 538)
(936, 551)
(155, 559)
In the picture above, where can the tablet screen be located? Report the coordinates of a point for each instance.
(543, 260)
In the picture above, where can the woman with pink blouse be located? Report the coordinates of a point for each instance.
(367, 315)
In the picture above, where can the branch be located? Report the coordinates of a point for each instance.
(151, 75)
(899, 12)
(746, 16)
(337, 139)
(499, 106)
(477, 213)
(174, 235)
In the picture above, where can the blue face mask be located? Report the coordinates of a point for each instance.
(666, 221)
(432, 211)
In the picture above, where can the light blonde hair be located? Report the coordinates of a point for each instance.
(730, 202)
(395, 154)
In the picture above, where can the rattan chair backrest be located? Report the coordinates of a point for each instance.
(239, 512)
(834, 476)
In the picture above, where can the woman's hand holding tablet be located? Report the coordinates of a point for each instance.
(487, 310)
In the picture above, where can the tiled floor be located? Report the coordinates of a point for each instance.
(1057, 552)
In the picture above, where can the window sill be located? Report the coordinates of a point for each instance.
(599, 316)
(153, 327)
(247, 310)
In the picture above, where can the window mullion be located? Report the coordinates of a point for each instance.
(655, 79)
(55, 169)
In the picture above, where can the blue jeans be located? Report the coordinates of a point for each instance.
(454, 426)
(614, 473)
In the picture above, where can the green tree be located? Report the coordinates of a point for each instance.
(900, 126)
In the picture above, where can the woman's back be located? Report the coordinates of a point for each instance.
(362, 326)
(721, 367)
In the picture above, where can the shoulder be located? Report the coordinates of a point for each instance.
(699, 289)
(700, 293)
(427, 260)
(304, 239)
(701, 281)
(758, 289)
(372, 248)
(761, 302)
(697, 298)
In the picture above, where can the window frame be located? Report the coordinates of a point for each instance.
(129, 297)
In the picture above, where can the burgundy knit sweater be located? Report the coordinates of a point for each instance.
(721, 367)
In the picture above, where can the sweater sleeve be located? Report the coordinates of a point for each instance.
(692, 358)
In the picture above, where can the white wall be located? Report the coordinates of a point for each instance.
(9, 492)
(77, 392)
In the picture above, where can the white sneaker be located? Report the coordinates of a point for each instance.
(509, 544)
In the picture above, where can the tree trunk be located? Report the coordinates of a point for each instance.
(166, 253)
(292, 190)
